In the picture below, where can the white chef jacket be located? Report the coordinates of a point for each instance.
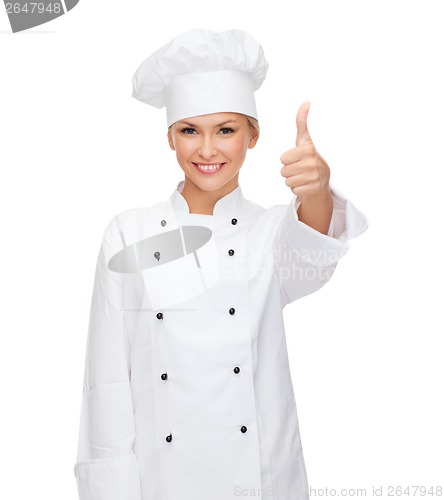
(187, 392)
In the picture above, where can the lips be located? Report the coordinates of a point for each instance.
(208, 168)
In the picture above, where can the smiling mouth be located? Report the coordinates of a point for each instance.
(208, 168)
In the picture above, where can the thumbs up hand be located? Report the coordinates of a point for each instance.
(305, 171)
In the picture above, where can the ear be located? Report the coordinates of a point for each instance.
(170, 138)
(253, 140)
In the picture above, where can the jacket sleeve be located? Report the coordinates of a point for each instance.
(106, 466)
(305, 258)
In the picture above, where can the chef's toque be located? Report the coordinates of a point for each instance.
(202, 71)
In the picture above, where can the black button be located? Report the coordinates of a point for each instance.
(230, 252)
(231, 310)
(234, 221)
(236, 369)
(169, 438)
(159, 315)
(243, 429)
(163, 222)
(164, 376)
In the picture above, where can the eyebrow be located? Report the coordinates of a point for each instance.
(218, 125)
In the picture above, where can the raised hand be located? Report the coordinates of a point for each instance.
(306, 172)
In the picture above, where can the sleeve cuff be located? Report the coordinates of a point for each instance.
(320, 249)
(108, 478)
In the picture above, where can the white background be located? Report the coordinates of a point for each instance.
(75, 148)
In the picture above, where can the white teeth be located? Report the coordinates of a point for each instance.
(208, 167)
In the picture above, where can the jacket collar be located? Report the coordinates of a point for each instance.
(227, 204)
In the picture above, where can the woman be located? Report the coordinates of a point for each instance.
(187, 392)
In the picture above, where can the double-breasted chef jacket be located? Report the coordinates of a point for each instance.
(187, 391)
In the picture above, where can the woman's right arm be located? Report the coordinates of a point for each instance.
(106, 466)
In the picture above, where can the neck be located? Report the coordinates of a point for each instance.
(202, 202)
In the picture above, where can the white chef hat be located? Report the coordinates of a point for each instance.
(202, 71)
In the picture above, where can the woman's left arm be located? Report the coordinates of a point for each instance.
(308, 176)
(316, 210)
(315, 227)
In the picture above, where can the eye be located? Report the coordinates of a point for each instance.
(230, 130)
(186, 128)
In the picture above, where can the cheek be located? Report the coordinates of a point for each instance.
(183, 148)
(237, 147)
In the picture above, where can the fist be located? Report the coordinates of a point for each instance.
(306, 172)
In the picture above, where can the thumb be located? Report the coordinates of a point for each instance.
(302, 136)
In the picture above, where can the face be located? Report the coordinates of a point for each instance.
(220, 139)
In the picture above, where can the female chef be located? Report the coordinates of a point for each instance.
(187, 393)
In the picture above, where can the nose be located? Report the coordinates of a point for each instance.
(207, 149)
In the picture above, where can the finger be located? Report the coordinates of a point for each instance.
(302, 136)
(292, 155)
(300, 178)
(303, 190)
(295, 169)
(296, 180)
